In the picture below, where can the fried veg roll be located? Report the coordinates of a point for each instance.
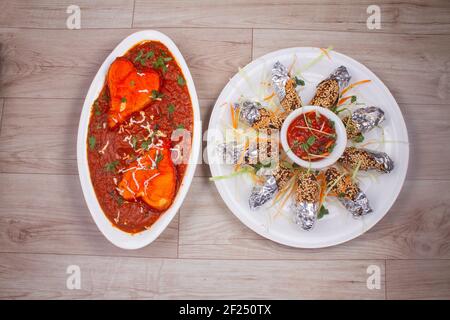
(307, 200)
(362, 120)
(348, 192)
(284, 87)
(366, 160)
(327, 91)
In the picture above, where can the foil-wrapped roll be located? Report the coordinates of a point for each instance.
(284, 87)
(327, 91)
(366, 160)
(255, 115)
(249, 111)
(234, 152)
(363, 120)
(307, 200)
(261, 194)
(348, 192)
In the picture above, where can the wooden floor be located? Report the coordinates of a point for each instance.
(45, 226)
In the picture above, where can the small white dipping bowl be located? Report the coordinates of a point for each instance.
(341, 140)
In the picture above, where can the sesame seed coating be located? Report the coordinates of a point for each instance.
(327, 94)
(308, 188)
(353, 156)
(291, 101)
(351, 128)
(282, 176)
(268, 120)
(344, 187)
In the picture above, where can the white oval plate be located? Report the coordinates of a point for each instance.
(116, 236)
(339, 225)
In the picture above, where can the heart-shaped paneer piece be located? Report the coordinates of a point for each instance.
(152, 178)
(129, 89)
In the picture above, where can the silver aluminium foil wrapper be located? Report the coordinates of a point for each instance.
(367, 118)
(358, 207)
(341, 75)
(280, 76)
(305, 214)
(382, 158)
(261, 194)
(249, 111)
(231, 152)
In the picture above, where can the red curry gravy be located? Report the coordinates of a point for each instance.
(144, 99)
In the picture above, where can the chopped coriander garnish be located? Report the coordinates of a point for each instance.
(91, 142)
(149, 54)
(305, 146)
(97, 111)
(181, 81)
(353, 100)
(111, 166)
(311, 140)
(157, 95)
(123, 100)
(158, 159)
(322, 212)
(359, 138)
(119, 199)
(180, 126)
(134, 141)
(167, 59)
(298, 81)
(132, 83)
(139, 56)
(171, 108)
(146, 144)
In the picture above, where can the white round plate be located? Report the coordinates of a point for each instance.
(339, 225)
(116, 236)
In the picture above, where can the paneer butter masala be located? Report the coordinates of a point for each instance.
(134, 161)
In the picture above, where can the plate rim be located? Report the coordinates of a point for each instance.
(350, 236)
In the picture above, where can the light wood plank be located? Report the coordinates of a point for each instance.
(44, 276)
(413, 67)
(2, 103)
(418, 279)
(402, 17)
(62, 63)
(47, 214)
(417, 226)
(39, 136)
(52, 13)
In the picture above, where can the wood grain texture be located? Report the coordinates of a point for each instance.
(417, 226)
(52, 13)
(44, 276)
(416, 69)
(347, 15)
(39, 136)
(42, 213)
(62, 63)
(418, 279)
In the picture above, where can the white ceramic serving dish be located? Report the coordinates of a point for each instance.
(339, 225)
(341, 138)
(116, 236)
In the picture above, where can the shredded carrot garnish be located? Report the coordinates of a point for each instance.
(340, 102)
(354, 85)
(234, 116)
(325, 52)
(269, 97)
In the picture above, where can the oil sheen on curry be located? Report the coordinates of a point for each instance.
(134, 160)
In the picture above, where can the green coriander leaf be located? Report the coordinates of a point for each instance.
(123, 100)
(134, 141)
(157, 95)
(311, 140)
(139, 56)
(359, 138)
(298, 81)
(171, 108)
(149, 54)
(353, 100)
(158, 159)
(322, 212)
(111, 166)
(180, 126)
(181, 81)
(91, 142)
